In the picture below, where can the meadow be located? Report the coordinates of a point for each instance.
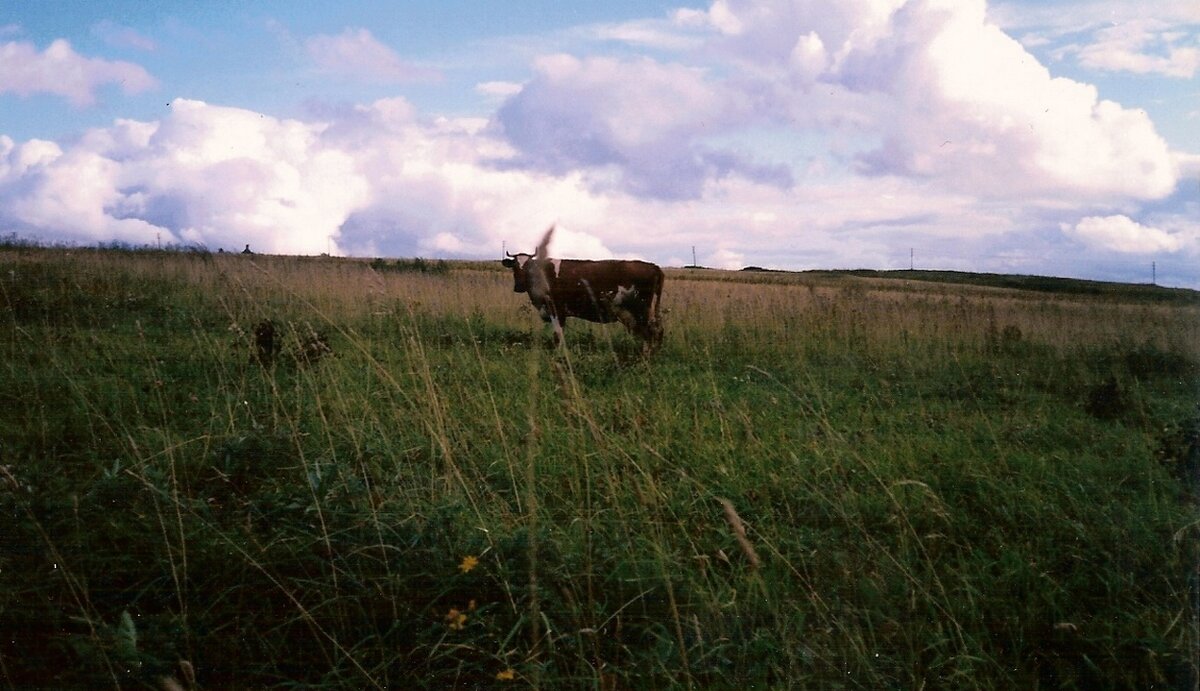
(819, 481)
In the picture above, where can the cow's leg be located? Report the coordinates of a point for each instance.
(627, 320)
(648, 329)
(651, 333)
(654, 336)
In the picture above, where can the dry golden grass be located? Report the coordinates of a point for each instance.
(864, 312)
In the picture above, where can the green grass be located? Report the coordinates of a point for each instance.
(933, 495)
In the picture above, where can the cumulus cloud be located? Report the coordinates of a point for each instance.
(357, 54)
(435, 187)
(42, 186)
(924, 89)
(60, 70)
(947, 94)
(205, 174)
(1123, 234)
(638, 126)
(368, 180)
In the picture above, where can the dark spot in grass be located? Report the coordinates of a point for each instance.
(265, 345)
(1179, 451)
(1106, 401)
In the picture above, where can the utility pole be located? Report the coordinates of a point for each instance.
(910, 258)
(694, 256)
(1153, 273)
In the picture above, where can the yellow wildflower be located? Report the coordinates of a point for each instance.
(469, 562)
(507, 675)
(456, 619)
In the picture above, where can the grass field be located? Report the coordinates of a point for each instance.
(820, 481)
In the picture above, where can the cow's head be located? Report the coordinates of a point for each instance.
(519, 264)
(529, 269)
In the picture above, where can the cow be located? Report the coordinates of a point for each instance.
(627, 291)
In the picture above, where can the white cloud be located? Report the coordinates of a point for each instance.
(60, 70)
(1142, 46)
(997, 105)
(380, 180)
(42, 186)
(121, 36)
(435, 185)
(1153, 37)
(1123, 234)
(222, 176)
(949, 95)
(636, 125)
(1080, 15)
(373, 180)
(356, 53)
(930, 90)
(725, 258)
(498, 89)
(655, 34)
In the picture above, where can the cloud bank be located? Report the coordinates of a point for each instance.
(373, 180)
(789, 134)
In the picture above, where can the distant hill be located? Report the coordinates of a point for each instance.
(1044, 284)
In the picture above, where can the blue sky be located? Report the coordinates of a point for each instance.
(1029, 137)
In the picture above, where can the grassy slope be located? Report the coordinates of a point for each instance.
(930, 499)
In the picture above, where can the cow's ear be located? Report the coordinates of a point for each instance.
(510, 263)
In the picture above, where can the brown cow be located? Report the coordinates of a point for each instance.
(599, 291)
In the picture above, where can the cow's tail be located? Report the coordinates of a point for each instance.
(539, 284)
(659, 279)
(542, 249)
(656, 326)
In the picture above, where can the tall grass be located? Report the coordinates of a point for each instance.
(817, 482)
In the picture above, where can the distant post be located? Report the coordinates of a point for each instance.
(1153, 274)
(910, 259)
(694, 263)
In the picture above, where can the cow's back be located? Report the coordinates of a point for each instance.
(589, 289)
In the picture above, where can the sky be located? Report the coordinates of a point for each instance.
(1050, 137)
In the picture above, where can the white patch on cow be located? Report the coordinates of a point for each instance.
(624, 293)
(521, 259)
(556, 263)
